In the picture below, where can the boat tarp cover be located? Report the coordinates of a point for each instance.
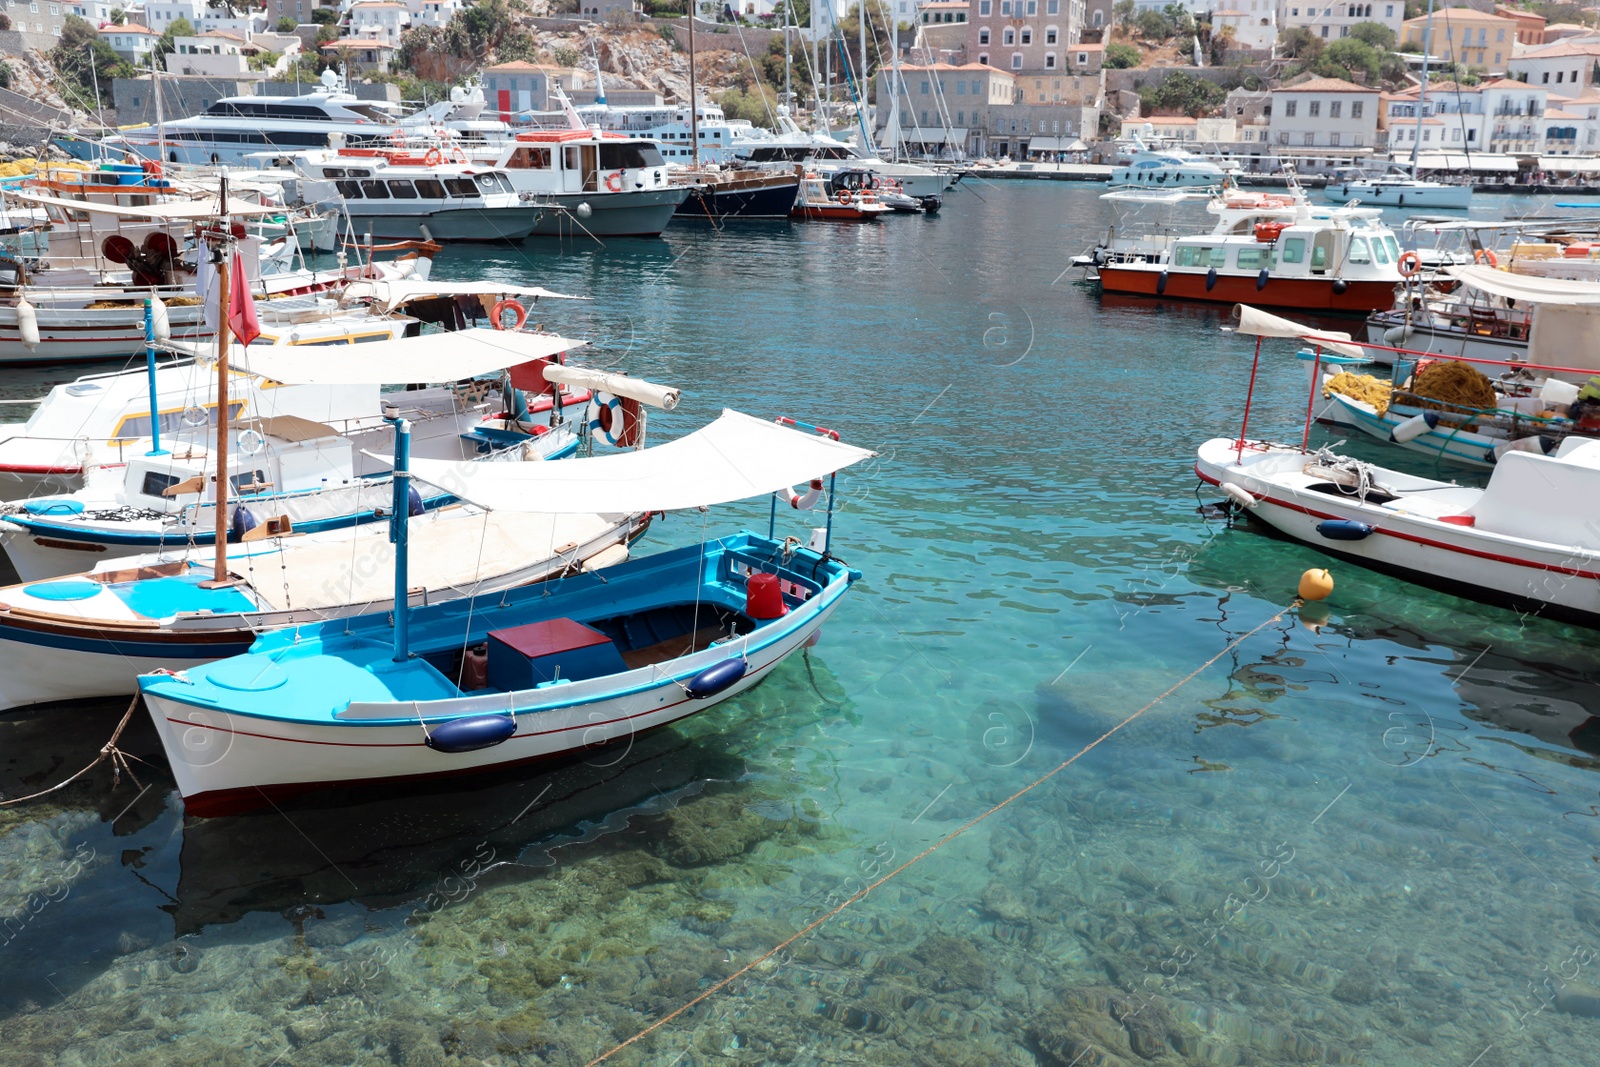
(436, 357)
(734, 458)
(1258, 323)
(1527, 288)
(1479, 161)
(171, 211)
(390, 294)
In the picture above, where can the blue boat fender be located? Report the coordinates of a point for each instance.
(244, 521)
(471, 733)
(1344, 529)
(1211, 279)
(1261, 279)
(717, 677)
(1161, 283)
(416, 506)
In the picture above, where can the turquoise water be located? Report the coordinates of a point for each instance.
(1359, 836)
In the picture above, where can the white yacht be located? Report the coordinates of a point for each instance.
(670, 126)
(827, 155)
(1399, 189)
(1167, 168)
(236, 126)
(392, 193)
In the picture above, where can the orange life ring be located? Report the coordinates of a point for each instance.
(876, 184)
(844, 196)
(1410, 263)
(433, 158)
(397, 138)
(503, 306)
(1486, 255)
(614, 181)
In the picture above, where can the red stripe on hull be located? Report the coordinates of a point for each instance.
(1309, 294)
(1289, 505)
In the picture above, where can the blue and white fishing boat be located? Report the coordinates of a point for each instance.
(463, 687)
(305, 474)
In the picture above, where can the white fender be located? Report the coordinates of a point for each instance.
(27, 323)
(1414, 427)
(1397, 336)
(1239, 495)
(160, 323)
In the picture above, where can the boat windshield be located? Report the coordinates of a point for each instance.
(370, 113)
(628, 155)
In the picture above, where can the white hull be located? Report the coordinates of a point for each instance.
(1456, 344)
(1390, 194)
(41, 674)
(1410, 538)
(216, 754)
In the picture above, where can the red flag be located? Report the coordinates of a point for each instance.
(241, 305)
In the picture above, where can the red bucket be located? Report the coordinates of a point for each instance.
(763, 599)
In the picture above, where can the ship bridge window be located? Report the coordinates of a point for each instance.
(333, 172)
(401, 189)
(1294, 250)
(530, 159)
(374, 190)
(366, 111)
(429, 189)
(629, 155)
(461, 187)
(1360, 251)
(349, 190)
(354, 172)
(1392, 246)
(1255, 258)
(1202, 256)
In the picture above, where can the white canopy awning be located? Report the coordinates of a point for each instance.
(1570, 164)
(388, 295)
(171, 211)
(1258, 323)
(734, 458)
(1527, 288)
(436, 357)
(1478, 161)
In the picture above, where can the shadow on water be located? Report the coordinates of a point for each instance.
(157, 876)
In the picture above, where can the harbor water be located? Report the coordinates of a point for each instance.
(1363, 834)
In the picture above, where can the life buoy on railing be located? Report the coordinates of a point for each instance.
(1486, 255)
(608, 421)
(397, 139)
(1410, 263)
(876, 184)
(433, 157)
(502, 306)
(803, 501)
(614, 182)
(844, 196)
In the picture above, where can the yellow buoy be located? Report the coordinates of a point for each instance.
(1316, 584)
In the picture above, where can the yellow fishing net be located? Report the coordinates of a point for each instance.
(1363, 387)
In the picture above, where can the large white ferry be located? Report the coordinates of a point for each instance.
(236, 126)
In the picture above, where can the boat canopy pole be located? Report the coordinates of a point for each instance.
(399, 519)
(222, 252)
(150, 371)
(1311, 399)
(1248, 395)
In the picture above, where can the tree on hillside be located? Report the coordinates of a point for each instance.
(178, 27)
(1152, 25)
(1184, 93)
(1376, 34)
(83, 56)
(1121, 56)
(286, 24)
(1347, 58)
(1122, 13)
(325, 16)
(1298, 42)
(119, 17)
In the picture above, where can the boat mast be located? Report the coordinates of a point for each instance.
(694, 93)
(161, 122)
(219, 572)
(788, 58)
(1422, 95)
(861, 76)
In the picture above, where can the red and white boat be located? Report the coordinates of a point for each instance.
(1269, 249)
(822, 198)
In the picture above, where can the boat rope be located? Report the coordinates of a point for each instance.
(108, 751)
(1352, 476)
(717, 987)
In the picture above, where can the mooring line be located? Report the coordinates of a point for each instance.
(945, 840)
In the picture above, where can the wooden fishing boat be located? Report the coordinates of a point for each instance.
(1528, 539)
(819, 200)
(463, 687)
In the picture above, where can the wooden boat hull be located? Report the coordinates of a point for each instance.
(1307, 294)
(226, 761)
(1551, 580)
(767, 197)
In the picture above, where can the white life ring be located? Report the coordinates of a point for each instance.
(803, 501)
(607, 420)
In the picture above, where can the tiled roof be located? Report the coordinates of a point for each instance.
(1325, 85)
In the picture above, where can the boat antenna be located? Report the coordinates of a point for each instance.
(220, 254)
(694, 92)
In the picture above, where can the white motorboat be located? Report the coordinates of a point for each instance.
(1528, 539)
(1169, 168)
(1400, 190)
(400, 193)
